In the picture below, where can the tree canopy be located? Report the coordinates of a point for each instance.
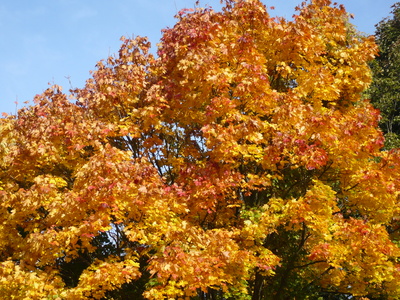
(384, 91)
(240, 162)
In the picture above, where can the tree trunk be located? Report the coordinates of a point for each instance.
(258, 284)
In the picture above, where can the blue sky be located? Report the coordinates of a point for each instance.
(46, 42)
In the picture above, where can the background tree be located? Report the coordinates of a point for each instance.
(240, 163)
(385, 91)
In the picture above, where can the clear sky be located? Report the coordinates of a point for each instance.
(46, 42)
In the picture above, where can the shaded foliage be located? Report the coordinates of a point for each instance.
(384, 91)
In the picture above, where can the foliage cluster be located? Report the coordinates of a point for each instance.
(239, 163)
(384, 91)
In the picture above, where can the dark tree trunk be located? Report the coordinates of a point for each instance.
(258, 285)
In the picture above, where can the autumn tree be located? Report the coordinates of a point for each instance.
(384, 91)
(240, 162)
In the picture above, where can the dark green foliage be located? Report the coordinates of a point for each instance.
(384, 91)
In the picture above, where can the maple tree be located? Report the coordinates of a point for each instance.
(239, 163)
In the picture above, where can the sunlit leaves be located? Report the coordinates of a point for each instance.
(240, 162)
